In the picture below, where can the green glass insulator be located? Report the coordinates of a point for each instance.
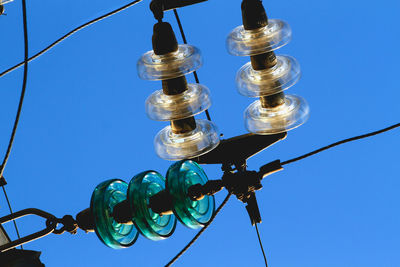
(180, 176)
(150, 224)
(104, 198)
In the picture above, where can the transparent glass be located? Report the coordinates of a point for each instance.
(161, 67)
(194, 100)
(104, 198)
(291, 114)
(3, 2)
(171, 146)
(180, 176)
(241, 42)
(150, 224)
(255, 83)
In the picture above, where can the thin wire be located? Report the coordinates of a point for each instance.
(261, 246)
(200, 232)
(21, 101)
(341, 142)
(69, 34)
(196, 78)
(11, 211)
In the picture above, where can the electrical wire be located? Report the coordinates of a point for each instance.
(69, 34)
(200, 232)
(21, 101)
(341, 142)
(22, 96)
(11, 211)
(196, 77)
(261, 246)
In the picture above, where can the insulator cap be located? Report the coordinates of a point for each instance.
(253, 14)
(85, 220)
(164, 40)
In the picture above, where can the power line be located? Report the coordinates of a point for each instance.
(69, 34)
(22, 96)
(196, 78)
(21, 101)
(200, 232)
(341, 142)
(261, 246)
(283, 163)
(11, 211)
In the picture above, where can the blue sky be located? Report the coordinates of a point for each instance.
(84, 122)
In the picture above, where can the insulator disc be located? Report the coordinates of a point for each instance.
(161, 67)
(180, 176)
(255, 83)
(291, 114)
(194, 100)
(104, 198)
(171, 146)
(150, 224)
(241, 42)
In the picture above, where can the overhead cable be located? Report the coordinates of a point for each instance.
(261, 245)
(69, 34)
(196, 78)
(341, 142)
(21, 101)
(200, 232)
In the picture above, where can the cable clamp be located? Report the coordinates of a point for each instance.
(51, 225)
(68, 222)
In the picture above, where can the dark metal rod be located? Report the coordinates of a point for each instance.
(50, 226)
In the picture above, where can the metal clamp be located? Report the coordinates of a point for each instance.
(51, 224)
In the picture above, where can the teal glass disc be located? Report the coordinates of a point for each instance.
(104, 198)
(150, 224)
(180, 176)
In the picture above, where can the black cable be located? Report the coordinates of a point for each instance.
(261, 246)
(21, 101)
(69, 34)
(196, 78)
(22, 96)
(200, 232)
(341, 142)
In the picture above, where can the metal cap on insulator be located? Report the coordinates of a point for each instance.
(164, 40)
(253, 14)
(122, 212)
(161, 203)
(85, 220)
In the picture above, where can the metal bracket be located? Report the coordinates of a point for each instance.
(253, 210)
(50, 227)
(234, 152)
(238, 149)
(173, 4)
(159, 6)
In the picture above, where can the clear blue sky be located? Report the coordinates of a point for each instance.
(84, 122)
